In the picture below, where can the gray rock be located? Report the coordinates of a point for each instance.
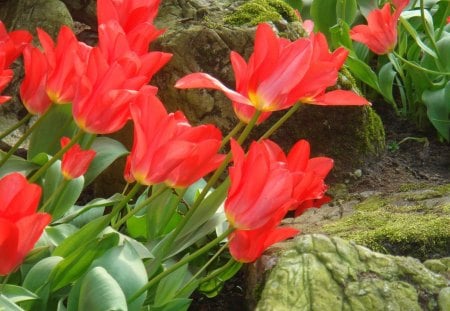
(321, 273)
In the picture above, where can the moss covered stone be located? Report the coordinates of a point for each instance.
(257, 11)
(414, 223)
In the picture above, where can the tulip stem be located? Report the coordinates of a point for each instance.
(233, 132)
(179, 264)
(249, 127)
(280, 121)
(57, 155)
(420, 67)
(132, 212)
(116, 209)
(21, 140)
(16, 126)
(218, 271)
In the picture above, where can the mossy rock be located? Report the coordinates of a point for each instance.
(322, 273)
(411, 223)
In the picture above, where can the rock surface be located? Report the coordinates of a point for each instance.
(321, 273)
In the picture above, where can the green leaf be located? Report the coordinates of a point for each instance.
(17, 164)
(177, 304)
(108, 150)
(168, 286)
(367, 6)
(410, 29)
(363, 72)
(346, 10)
(37, 280)
(17, 294)
(212, 287)
(99, 291)
(8, 305)
(386, 77)
(57, 234)
(323, 12)
(159, 213)
(340, 35)
(125, 266)
(438, 109)
(46, 137)
(206, 209)
(75, 265)
(77, 240)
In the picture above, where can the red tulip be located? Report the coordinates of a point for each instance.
(280, 73)
(75, 161)
(33, 88)
(380, 33)
(127, 175)
(65, 62)
(248, 245)
(20, 225)
(13, 43)
(6, 76)
(260, 187)
(167, 148)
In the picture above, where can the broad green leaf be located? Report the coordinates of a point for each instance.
(8, 305)
(75, 265)
(206, 209)
(346, 10)
(159, 214)
(363, 72)
(17, 164)
(340, 35)
(438, 109)
(125, 266)
(99, 291)
(108, 150)
(168, 286)
(57, 234)
(37, 280)
(17, 294)
(77, 240)
(323, 12)
(410, 29)
(46, 137)
(386, 81)
(443, 46)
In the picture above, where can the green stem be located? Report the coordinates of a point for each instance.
(58, 155)
(3, 283)
(429, 35)
(420, 67)
(280, 121)
(16, 126)
(179, 264)
(249, 127)
(54, 195)
(22, 139)
(210, 261)
(116, 209)
(233, 132)
(139, 207)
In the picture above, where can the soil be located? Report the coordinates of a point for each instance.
(420, 159)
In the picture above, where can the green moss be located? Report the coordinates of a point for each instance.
(417, 230)
(257, 11)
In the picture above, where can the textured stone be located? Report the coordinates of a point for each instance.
(322, 273)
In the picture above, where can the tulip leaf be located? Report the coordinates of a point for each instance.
(410, 29)
(177, 304)
(57, 234)
(44, 137)
(168, 286)
(212, 287)
(99, 291)
(323, 12)
(340, 35)
(386, 77)
(438, 109)
(363, 72)
(7, 304)
(17, 294)
(367, 6)
(108, 150)
(346, 10)
(17, 164)
(126, 267)
(76, 264)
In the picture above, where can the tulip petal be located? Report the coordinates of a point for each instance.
(340, 98)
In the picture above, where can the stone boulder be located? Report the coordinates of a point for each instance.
(317, 272)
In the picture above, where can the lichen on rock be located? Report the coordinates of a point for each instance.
(322, 273)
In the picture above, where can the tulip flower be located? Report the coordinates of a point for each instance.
(248, 245)
(6, 76)
(278, 74)
(260, 186)
(13, 43)
(75, 161)
(20, 225)
(127, 175)
(380, 33)
(166, 148)
(33, 88)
